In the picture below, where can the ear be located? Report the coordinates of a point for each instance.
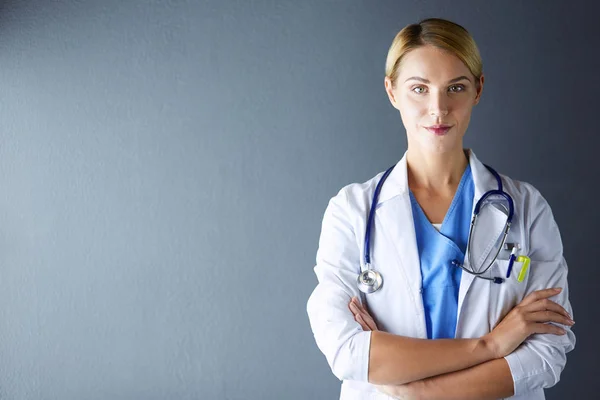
(389, 89)
(480, 90)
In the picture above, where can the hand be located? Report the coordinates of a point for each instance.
(361, 315)
(528, 317)
(401, 392)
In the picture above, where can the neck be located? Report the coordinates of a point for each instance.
(435, 172)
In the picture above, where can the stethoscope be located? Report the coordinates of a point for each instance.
(369, 280)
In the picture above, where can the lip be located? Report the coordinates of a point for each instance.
(438, 129)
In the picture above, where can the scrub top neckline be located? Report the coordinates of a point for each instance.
(455, 200)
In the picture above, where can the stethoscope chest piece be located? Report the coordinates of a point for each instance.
(369, 281)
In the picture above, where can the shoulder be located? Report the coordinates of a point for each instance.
(528, 198)
(518, 188)
(523, 190)
(356, 196)
(542, 236)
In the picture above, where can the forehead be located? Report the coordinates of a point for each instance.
(431, 63)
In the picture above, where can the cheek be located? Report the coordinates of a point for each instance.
(463, 114)
(464, 105)
(411, 108)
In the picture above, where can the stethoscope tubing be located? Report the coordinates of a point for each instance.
(477, 209)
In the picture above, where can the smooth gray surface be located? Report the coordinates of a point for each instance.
(165, 165)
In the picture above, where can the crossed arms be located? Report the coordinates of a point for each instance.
(458, 368)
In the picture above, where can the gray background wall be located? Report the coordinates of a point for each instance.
(165, 165)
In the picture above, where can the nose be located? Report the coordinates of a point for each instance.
(438, 104)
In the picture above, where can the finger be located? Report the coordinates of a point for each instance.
(539, 294)
(367, 317)
(547, 304)
(359, 306)
(386, 389)
(370, 322)
(362, 323)
(362, 307)
(363, 326)
(549, 316)
(548, 328)
(354, 309)
(364, 316)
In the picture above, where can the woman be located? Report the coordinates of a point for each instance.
(449, 319)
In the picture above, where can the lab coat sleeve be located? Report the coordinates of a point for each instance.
(341, 339)
(539, 361)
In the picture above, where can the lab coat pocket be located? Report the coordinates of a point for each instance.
(506, 295)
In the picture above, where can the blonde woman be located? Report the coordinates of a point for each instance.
(415, 302)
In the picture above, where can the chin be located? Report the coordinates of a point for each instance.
(425, 142)
(439, 145)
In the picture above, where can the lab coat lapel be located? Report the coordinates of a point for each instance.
(395, 216)
(487, 226)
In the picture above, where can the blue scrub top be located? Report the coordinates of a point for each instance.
(437, 249)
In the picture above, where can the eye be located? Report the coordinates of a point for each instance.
(418, 89)
(456, 88)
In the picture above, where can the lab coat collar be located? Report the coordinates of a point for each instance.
(483, 179)
(397, 182)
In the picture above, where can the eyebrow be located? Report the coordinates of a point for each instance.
(418, 78)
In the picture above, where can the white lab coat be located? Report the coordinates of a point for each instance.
(398, 307)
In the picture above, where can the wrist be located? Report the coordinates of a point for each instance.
(488, 347)
(407, 391)
(418, 389)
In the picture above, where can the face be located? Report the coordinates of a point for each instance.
(435, 93)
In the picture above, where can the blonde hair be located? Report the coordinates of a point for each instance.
(437, 32)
